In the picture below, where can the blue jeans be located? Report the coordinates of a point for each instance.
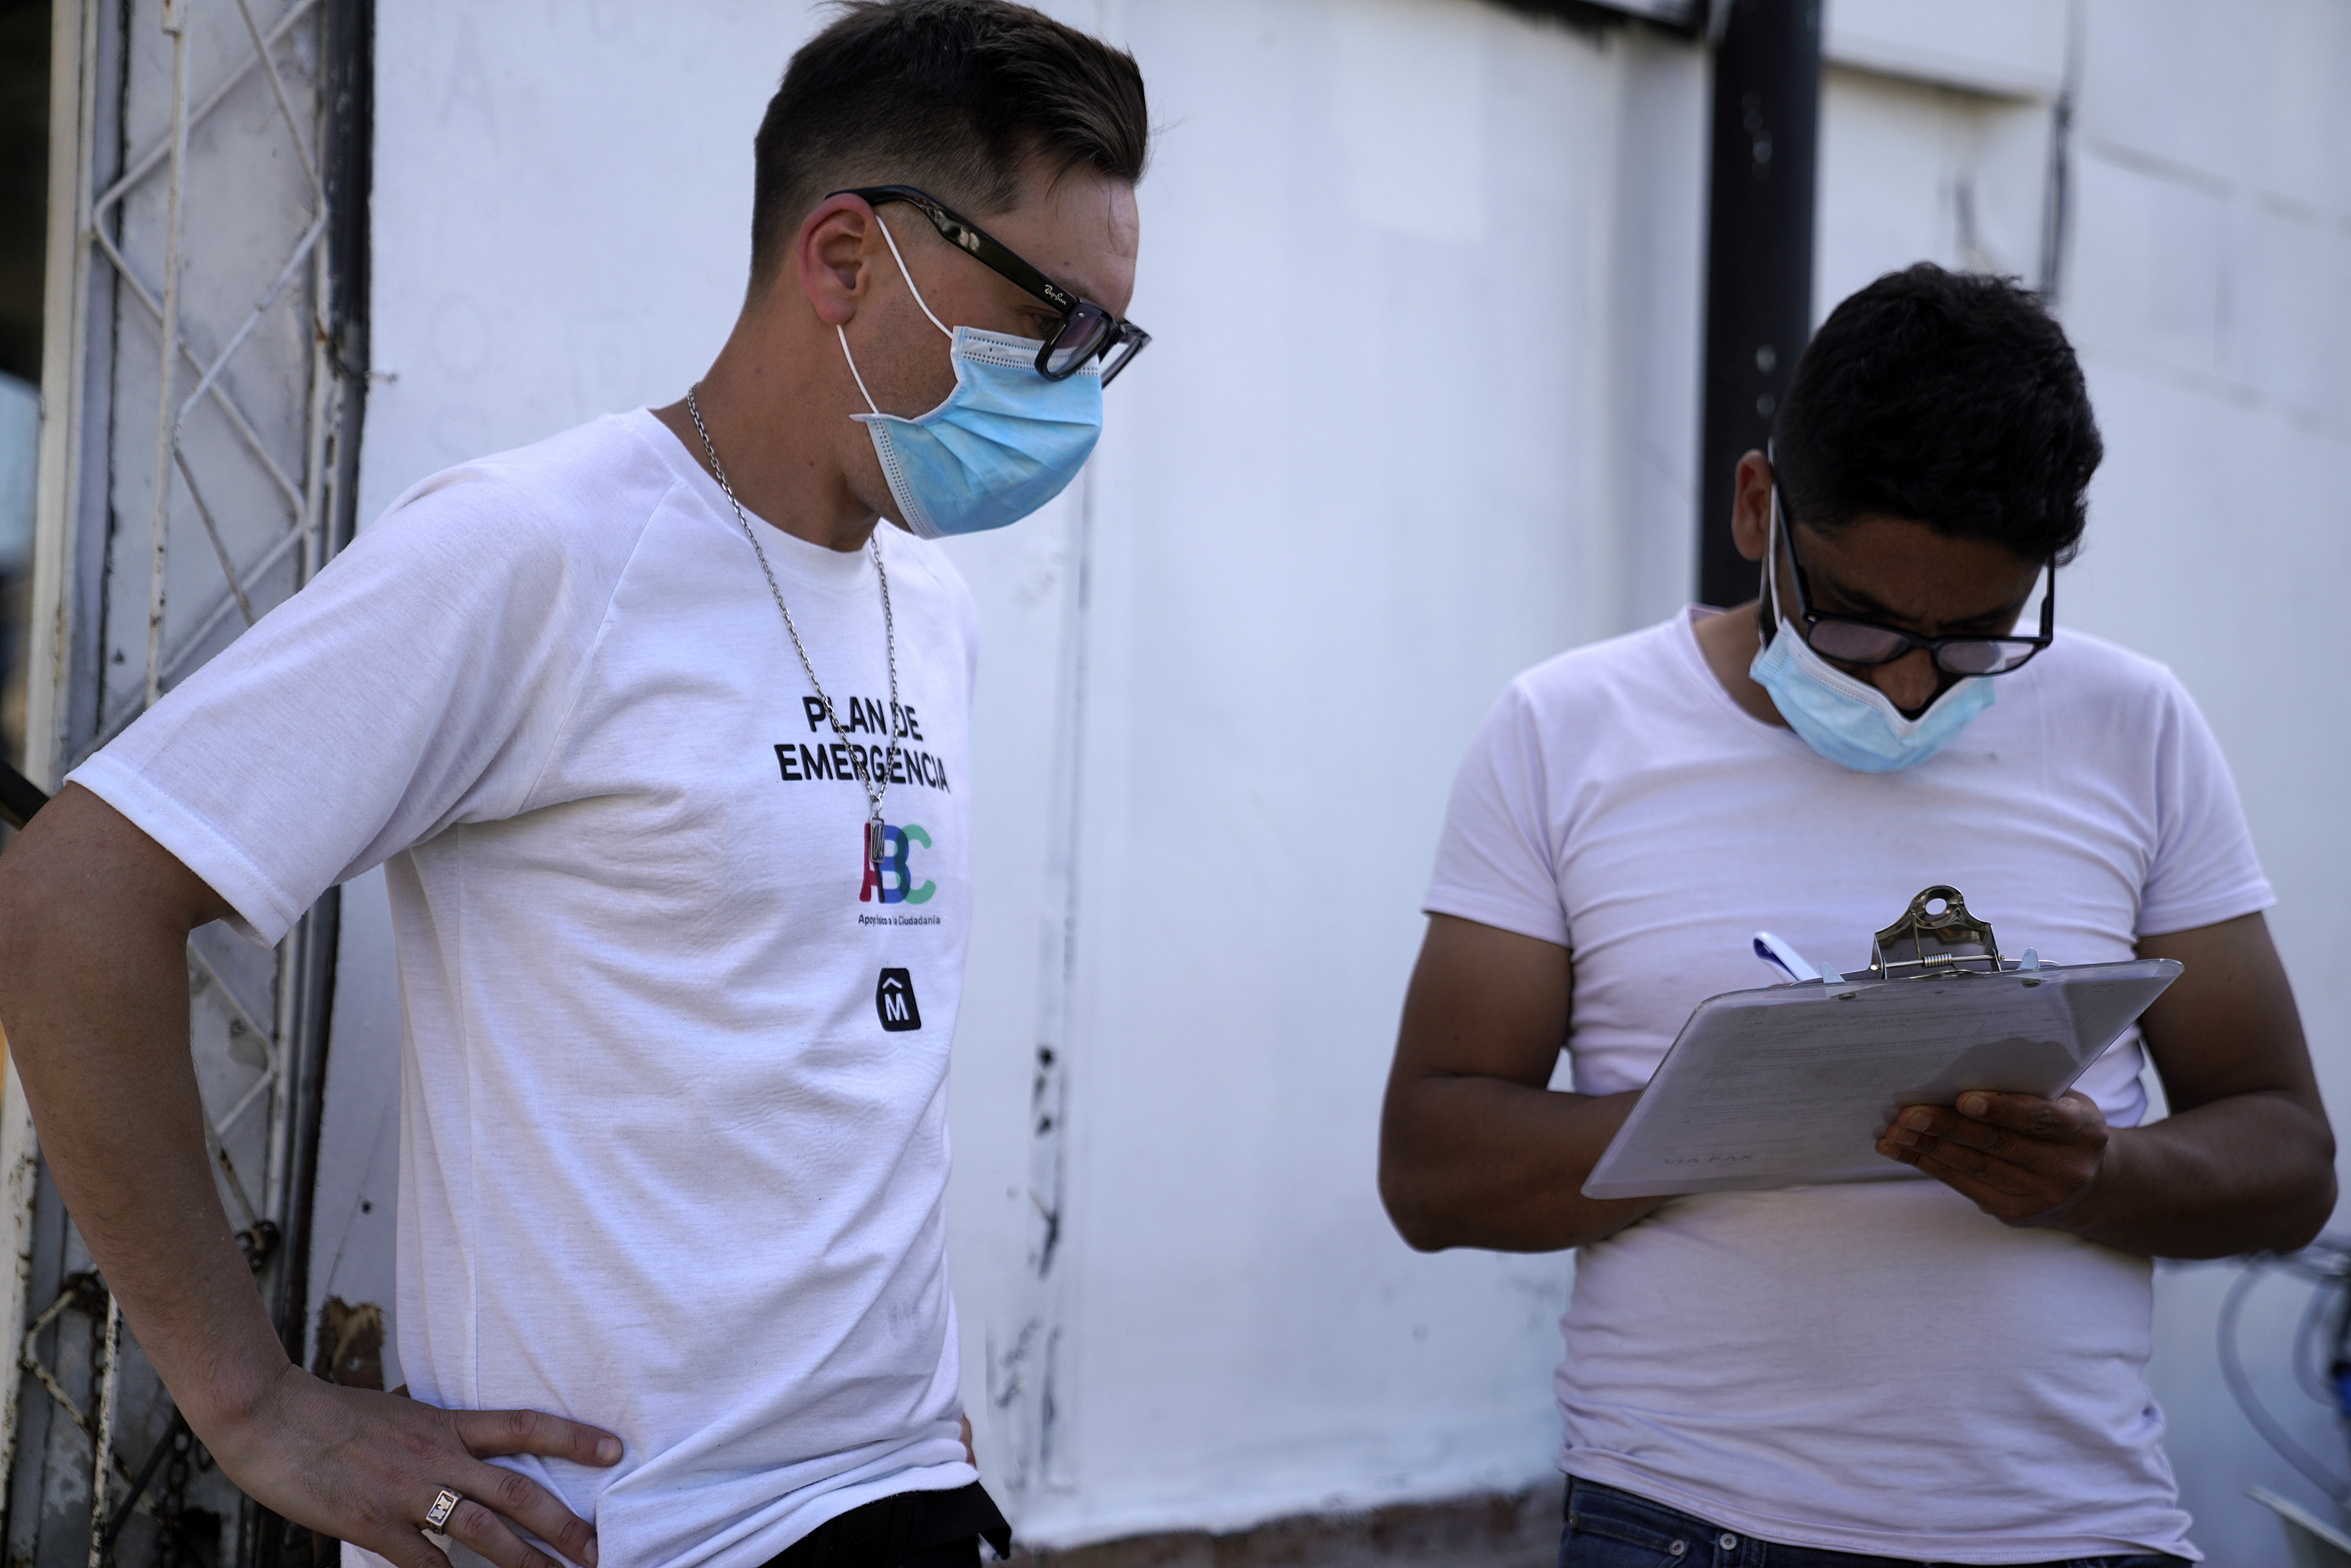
(1612, 1529)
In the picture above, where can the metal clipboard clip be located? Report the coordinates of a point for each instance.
(1937, 935)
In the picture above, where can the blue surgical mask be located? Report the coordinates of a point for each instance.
(1849, 721)
(1005, 442)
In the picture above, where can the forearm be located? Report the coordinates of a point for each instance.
(94, 993)
(1471, 1161)
(120, 1134)
(2253, 1173)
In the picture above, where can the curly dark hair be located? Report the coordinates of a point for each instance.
(1951, 398)
(953, 96)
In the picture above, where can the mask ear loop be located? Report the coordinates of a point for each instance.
(893, 240)
(842, 332)
(1767, 621)
(860, 380)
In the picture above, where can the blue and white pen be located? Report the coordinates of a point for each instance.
(1781, 955)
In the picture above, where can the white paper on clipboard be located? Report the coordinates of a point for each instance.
(1788, 1086)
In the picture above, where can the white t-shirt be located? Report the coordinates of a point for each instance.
(1877, 1368)
(673, 1123)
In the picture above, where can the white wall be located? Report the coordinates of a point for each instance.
(1425, 278)
(1416, 417)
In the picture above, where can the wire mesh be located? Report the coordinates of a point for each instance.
(203, 476)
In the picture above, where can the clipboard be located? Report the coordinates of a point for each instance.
(1789, 1085)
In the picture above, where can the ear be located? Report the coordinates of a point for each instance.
(1751, 508)
(830, 258)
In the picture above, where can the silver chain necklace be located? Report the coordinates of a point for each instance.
(876, 781)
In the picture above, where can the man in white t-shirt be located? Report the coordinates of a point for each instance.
(663, 742)
(1945, 1366)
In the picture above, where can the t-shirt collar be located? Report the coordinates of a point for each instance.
(788, 553)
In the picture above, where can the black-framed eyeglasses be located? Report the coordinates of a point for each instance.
(1087, 330)
(1850, 640)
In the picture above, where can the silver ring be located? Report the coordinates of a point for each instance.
(443, 1507)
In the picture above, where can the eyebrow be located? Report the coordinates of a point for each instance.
(1863, 605)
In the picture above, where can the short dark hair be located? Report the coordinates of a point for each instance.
(1951, 398)
(953, 96)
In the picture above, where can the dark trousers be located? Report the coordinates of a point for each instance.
(911, 1530)
(1612, 1529)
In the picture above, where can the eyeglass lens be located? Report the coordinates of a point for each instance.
(1090, 330)
(1080, 338)
(1985, 658)
(1854, 643)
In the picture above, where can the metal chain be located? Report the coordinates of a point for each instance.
(875, 788)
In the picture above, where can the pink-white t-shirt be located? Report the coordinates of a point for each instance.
(1877, 1368)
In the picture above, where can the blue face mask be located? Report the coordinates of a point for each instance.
(1849, 721)
(1004, 443)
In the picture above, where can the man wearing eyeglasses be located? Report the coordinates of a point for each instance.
(663, 739)
(1943, 1370)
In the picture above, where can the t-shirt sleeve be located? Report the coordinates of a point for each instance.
(2204, 869)
(1496, 864)
(414, 684)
